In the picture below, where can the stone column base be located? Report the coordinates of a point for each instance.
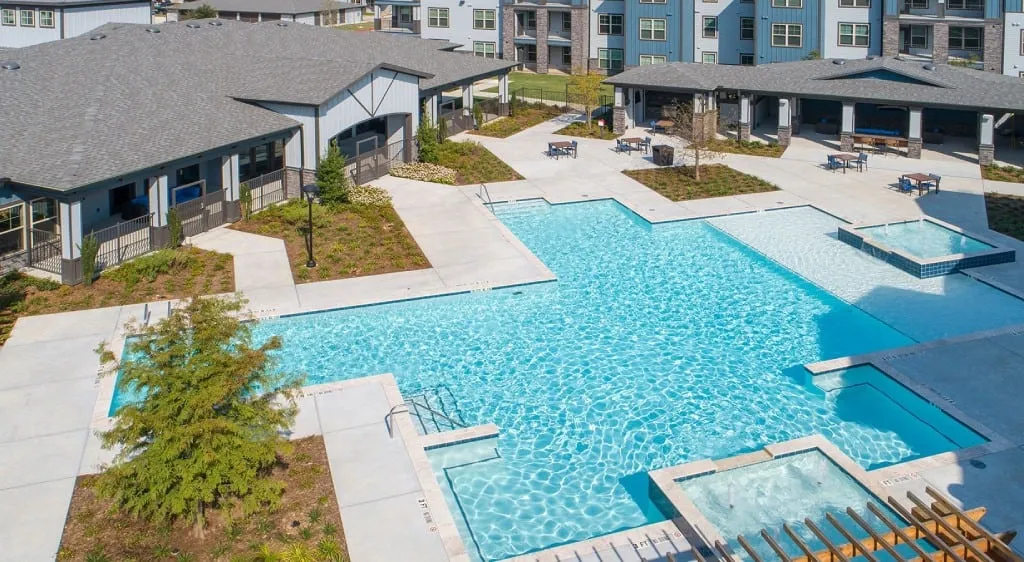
(914, 148)
(743, 132)
(232, 211)
(619, 120)
(784, 135)
(986, 154)
(846, 142)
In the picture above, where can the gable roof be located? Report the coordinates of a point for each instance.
(80, 111)
(291, 7)
(876, 80)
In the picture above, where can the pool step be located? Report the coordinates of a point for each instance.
(434, 410)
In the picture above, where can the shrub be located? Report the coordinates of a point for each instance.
(442, 130)
(427, 137)
(175, 227)
(296, 214)
(245, 199)
(89, 248)
(369, 195)
(148, 267)
(331, 178)
(478, 115)
(425, 172)
(330, 551)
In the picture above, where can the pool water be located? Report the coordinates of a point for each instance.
(786, 490)
(656, 346)
(924, 239)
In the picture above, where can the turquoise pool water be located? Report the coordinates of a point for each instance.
(656, 346)
(766, 495)
(924, 239)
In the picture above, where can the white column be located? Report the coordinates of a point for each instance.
(914, 130)
(229, 177)
(503, 89)
(745, 109)
(784, 115)
(985, 131)
(467, 98)
(430, 107)
(158, 199)
(71, 229)
(619, 96)
(848, 116)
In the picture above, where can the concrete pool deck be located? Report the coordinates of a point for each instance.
(49, 392)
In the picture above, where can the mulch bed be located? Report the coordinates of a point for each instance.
(717, 180)
(1005, 214)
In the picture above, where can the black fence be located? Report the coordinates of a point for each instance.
(566, 98)
(202, 213)
(43, 252)
(265, 191)
(368, 166)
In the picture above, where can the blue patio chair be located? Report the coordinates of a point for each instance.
(619, 146)
(833, 163)
(575, 149)
(937, 179)
(862, 161)
(647, 144)
(906, 186)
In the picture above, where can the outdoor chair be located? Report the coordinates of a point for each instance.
(862, 162)
(646, 145)
(575, 149)
(621, 147)
(937, 179)
(905, 185)
(833, 164)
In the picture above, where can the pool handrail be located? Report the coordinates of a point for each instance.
(394, 410)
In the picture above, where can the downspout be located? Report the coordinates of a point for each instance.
(302, 154)
(316, 132)
(63, 22)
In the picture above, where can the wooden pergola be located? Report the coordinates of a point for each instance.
(954, 534)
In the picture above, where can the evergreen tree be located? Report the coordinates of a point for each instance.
(427, 139)
(203, 12)
(208, 426)
(331, 178)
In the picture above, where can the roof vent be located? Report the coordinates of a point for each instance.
(9, 65)
(152, 30)
(193, 25)
(282, 24)
(929, 67)
(838, 61)
(97, 37)
(216, 23)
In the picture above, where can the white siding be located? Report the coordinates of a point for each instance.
(832, 15)
(304, 114)
(353, 16)
(1013, 35)
(460, 23)
(84, 19)
(307, 19)
(17, 36)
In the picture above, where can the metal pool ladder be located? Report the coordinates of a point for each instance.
(395, 410)
(485, 196)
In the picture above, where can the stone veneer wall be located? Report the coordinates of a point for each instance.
(543, 23)
(580, 39)
(992, 55)
(508, 32)
(940, 43)
(891, 36)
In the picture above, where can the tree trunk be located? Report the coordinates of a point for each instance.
(199, 528)
(696, 164)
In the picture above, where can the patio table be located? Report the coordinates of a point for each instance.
(846, 157)
(636, 142)
(561, 147)
(920, 180)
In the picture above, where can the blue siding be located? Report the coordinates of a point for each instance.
(672, 12)
(892, 7)
(994, 8)
(766, 15)
(687, 29)
(1014, 6)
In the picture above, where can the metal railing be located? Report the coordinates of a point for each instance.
(123, 241)
(395, 410)
(266, 190)
(485, 195)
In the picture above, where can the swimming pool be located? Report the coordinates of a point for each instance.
(925, 239)
(656, 346)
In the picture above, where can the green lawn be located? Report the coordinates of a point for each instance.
(750, 148)
(995, 172)
(580, 129)
(717, 180)
(1005, 214)
(553, 83)
(523, 117)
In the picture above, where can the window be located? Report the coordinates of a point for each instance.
(787, 3)
(484, 19)
(484, 49)
(609, 59)
(609, 24)
(747, 28)
(652, 29)
(566, 56)
(709, 58)
(747, 59)
(28, 17)
(915, 5)
(46, 18)
(528, 20)
(965, 38)
(710, 27)
(918, 37)
(787, 35)
(854, 3)
(652, 59)
(10, 229)
(529, 53)
(854, 34)
(8, 17)
(566, 23)
(437, 17)
(405, 14)
(964, 5)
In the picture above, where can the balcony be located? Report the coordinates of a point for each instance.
(551, 3)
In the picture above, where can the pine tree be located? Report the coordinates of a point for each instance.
(427, 139)
(209, 425)
(331, 178)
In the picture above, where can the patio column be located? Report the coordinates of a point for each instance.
(848, 127)
(159, 234)
(231, 186)
(619, 112)
(70, 242)
(430, 110)
(743, 131)
(503, 89)
(467, 99)
(914, 141)
(785, 129)
(986, 149)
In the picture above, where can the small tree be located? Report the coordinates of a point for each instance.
(427, 138)
(813, 55)
(331, 178)
(690, 125)
(328, 13)
(245, 200)
(208, 427)
(478, 115)
(442, 130)
(203, 12)
(89, 249)
(585, 86)
(176, 229)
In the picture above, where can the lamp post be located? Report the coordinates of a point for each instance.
(311, 191)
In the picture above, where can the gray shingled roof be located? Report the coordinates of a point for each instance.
(291, 7)
(81, 111)
(901, 82)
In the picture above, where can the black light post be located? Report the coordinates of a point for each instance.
(311, 191)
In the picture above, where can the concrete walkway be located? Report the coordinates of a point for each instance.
(262, 270)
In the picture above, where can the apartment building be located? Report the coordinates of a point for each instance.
(611, 35)
(30, 22)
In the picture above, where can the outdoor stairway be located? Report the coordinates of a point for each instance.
(434, 410)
